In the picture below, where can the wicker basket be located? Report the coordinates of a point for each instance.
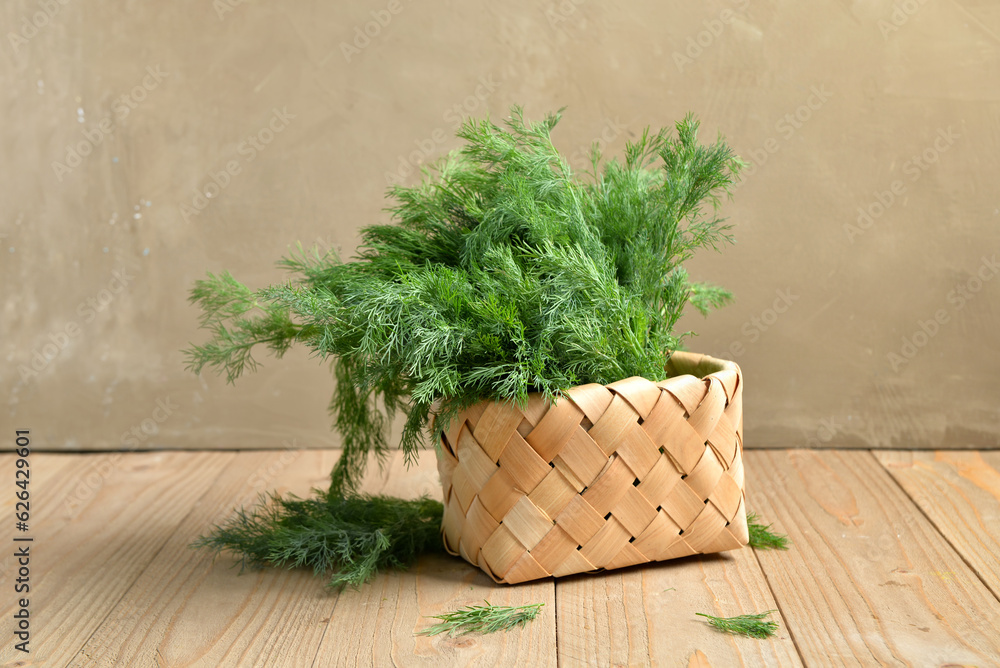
(609, 477)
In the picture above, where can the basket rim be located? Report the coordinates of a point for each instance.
(682, 362)
(679, 363)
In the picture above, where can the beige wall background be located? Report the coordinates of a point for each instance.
(868, 227)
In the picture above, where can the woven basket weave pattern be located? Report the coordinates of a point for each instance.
(610, 476)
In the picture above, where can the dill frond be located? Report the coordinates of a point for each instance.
(483, 619)
(761, 536)
(349, 539)
(750, 626)
(502, 273)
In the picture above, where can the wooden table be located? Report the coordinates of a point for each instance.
(895, 561)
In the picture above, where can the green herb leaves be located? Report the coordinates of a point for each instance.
(750, 626)
(483, 619)
(502, 274)
(755, 625)
(349, 539)
(761, 536)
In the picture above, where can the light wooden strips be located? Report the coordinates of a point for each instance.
(869, 579)
(607, 477)
(959, 491)
(645, 616)
(95, 534)
(188, 607)
(377, 623)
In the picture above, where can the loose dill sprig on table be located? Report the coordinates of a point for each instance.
(483, 619)
(761, 536)
(350, 538)
(750, 626)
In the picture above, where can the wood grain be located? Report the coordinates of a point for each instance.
(376, 625)
(868, 580)
(189, 608)
(646, 615)
(90, 548)
(960, 492)
(47, 474)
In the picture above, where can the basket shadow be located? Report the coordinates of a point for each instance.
(446, 569)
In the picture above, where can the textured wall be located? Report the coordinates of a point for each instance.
(867, 230)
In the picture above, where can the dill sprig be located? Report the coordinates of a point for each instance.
(503, 273)
(761, 536)
(750, 626)
(350, 539)
(483, 619)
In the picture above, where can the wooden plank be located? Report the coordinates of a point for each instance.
(868, 580)
(188, 608)
(376, 625)
(48, 472)
(646, 615)
(86, 555)
(960, 492)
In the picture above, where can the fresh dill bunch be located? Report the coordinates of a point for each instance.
(349, 539)
(761, 536)
(503, 273)
(483, 619)
(750, 626)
